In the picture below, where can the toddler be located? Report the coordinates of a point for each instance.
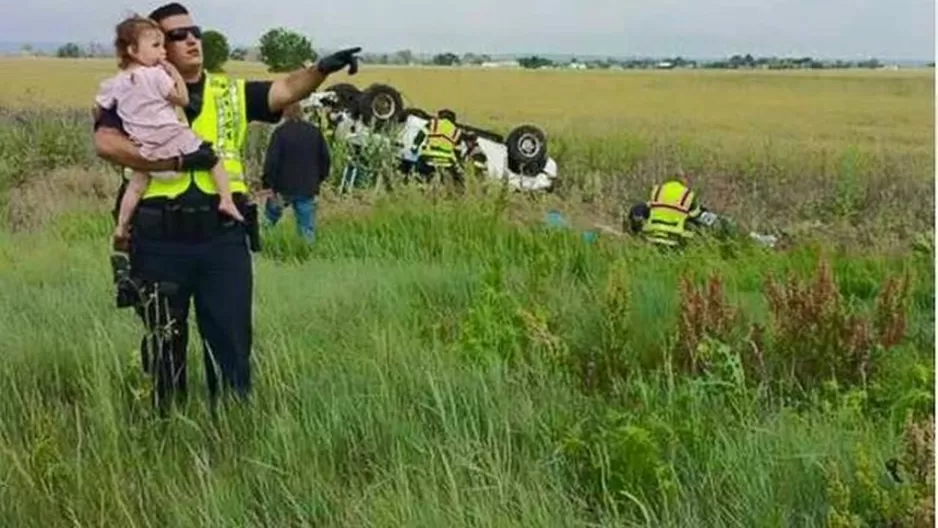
(145, 91)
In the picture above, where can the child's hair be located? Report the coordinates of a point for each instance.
(128, 32)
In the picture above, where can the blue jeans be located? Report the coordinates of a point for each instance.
(304, 209)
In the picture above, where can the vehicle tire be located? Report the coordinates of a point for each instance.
(527, 150)
(380, 104)
(348, 95)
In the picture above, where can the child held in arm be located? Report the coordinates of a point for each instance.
(145, 92)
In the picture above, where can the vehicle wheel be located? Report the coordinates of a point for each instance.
(348, 95)
(527, 150)
(380, 104)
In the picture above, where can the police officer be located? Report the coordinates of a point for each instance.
(181, 247)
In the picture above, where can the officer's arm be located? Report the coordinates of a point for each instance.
(294, 87)
(300, 83)
(112, 145)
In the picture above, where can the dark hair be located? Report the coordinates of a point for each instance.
(168, 10)
(446, 113)
(127, 33)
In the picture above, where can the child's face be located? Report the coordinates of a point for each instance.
(150, 50)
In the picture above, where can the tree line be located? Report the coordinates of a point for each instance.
(280, 49)
(284, 50)
(736, 62)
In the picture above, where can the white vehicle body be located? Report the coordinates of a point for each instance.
(496, 165)
(496, 158)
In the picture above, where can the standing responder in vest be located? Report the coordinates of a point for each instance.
(180, 245)
(665, 217)
(440, 153)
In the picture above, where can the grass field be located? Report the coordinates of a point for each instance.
(827, 108)
(442, 361)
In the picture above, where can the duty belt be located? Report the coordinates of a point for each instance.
(180, 222)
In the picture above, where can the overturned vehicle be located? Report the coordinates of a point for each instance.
(519, 159)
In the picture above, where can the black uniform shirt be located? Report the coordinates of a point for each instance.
(297, 159)
(255, 95)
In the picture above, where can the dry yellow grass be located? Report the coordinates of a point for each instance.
(866, 108)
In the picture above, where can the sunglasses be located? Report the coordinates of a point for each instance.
(181, 33)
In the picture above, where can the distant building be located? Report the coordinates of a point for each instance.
(501, 64)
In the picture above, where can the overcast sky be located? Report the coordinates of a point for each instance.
(897, 29)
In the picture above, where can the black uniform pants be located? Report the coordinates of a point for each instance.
(217, 274)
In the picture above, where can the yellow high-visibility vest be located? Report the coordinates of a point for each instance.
(222, 121)
(442, 139)
(671, 204)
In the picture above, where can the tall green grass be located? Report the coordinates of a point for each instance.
(448, 359)
(432, 363)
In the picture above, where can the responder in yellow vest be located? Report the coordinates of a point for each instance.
(672, 215)
(441, 152)
(665, 218)
(320, 117)
(180, 247)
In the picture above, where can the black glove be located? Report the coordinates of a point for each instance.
(338, 60)
(202, 159)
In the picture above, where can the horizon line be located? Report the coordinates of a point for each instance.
(234, 45)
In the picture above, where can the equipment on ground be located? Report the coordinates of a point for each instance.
(727, 224)
(520, 159)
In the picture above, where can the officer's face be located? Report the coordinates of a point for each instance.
(183, 43)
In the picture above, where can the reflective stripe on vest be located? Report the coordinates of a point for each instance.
(669, 208)
(442, 139)
(223, 122)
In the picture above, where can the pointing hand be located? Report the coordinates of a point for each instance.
(338, 60)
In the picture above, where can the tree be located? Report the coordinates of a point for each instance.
(215, 50)
(446, 59)
(403, 57)
(69, 50)
(96, 49)
(534, 62)
(283, 50)
(239, 54)
(473, 59)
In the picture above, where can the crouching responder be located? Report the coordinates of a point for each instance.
(673, 214)
(440, 153)
(664, 220)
